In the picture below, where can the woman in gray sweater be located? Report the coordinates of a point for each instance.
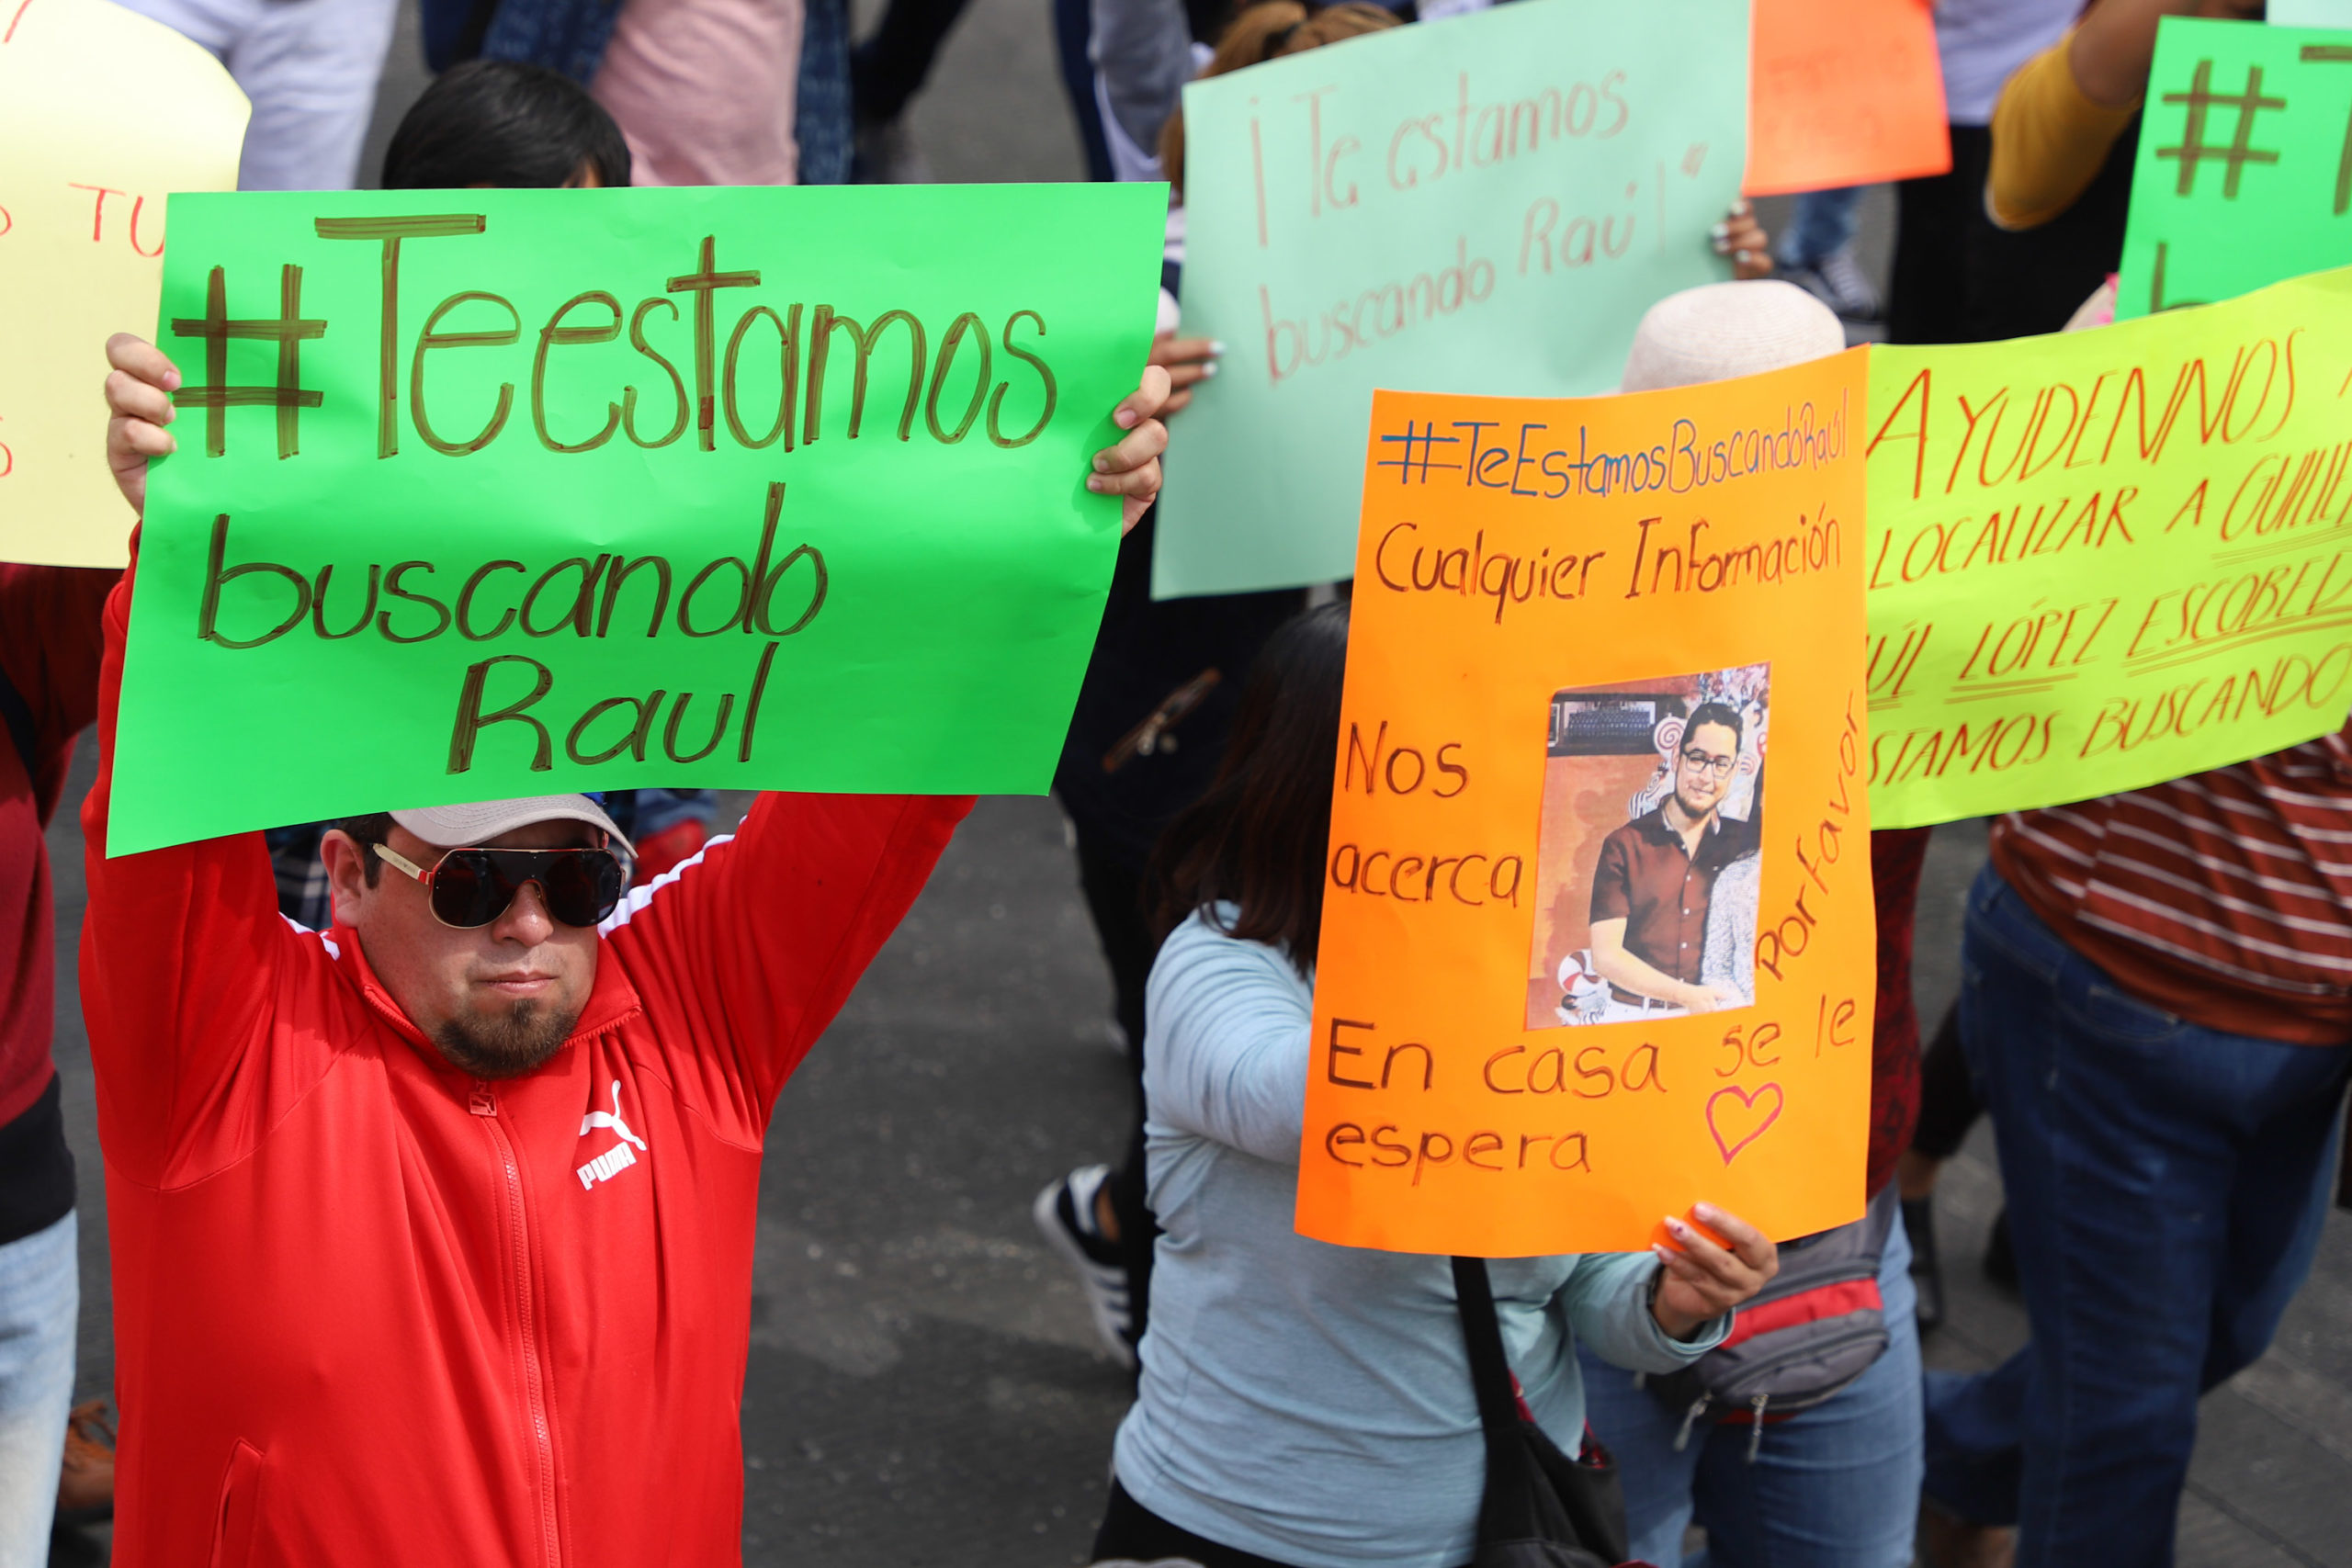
(1305, 1405)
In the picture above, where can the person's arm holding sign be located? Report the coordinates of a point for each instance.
(1232, 1068)
(772, 929)
(184, 952)
(1230, 1063)
(1702, 1279)
(2060, 113)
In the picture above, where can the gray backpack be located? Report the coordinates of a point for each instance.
(1816, 1327)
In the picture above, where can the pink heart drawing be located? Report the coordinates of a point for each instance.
(1731, 1147)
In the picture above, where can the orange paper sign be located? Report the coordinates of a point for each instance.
(1597, 932)
(1843, 93)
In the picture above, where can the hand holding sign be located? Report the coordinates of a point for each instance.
(1130, 468)
(1704, 1278)
(139, 404)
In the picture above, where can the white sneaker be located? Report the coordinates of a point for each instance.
(1065, 1215)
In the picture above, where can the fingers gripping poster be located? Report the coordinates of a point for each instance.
(1598, 940)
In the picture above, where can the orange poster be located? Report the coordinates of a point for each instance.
(1597, 937)
(1843, 93)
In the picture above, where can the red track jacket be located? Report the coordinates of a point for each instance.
(370, 1310)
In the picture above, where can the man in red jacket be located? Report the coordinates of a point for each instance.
(432, 1233)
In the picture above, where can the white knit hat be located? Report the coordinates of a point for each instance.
(1722, 329)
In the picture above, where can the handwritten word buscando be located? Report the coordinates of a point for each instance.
(785, 348)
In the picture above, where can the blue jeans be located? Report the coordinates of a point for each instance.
(1836, 1487)
(1822, 225)
(41, 1298)
(2167, 1184)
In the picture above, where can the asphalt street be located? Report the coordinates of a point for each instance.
(925, 1387)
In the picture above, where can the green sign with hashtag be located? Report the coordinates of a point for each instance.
(2243, 175)
(491, 493)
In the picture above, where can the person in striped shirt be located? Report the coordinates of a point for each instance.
(2157, 1005)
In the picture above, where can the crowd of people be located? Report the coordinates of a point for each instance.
(349, 1072)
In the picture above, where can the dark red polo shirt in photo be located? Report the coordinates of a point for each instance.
(1647, 879)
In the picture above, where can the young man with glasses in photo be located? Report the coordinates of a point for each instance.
(433, 1231)
(1656, 874)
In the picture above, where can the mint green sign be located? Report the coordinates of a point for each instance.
(2309, 13)
(1483, 204)
(490, 493)
(2244, 169)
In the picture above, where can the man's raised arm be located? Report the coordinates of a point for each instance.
(743, 953)
(181, 947)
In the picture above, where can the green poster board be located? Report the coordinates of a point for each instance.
(491, 493)
(1485, 204)
(2245, 168)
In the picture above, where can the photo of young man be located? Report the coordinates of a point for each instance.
(1656, 875)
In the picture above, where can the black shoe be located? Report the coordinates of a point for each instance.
(2000, 1258)
(1063, 1213)
(1927, 1264)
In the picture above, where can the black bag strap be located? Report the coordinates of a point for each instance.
(1541, 1508)
(19, 716)
(1509, 1509)
(1474, 1298)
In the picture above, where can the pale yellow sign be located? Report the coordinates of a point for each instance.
(103, 114)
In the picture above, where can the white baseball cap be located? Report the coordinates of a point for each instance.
(449, 827)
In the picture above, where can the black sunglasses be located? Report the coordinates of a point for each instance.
(471, 887)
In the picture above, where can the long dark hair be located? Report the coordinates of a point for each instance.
(1257, 837)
